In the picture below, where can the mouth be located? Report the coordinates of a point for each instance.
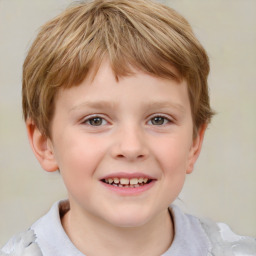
(127, 182)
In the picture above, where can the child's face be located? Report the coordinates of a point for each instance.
(140, 127)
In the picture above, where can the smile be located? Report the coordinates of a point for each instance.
(126, 182)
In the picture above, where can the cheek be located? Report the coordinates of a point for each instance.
(78, 158)
(173, 161)
(173, 155)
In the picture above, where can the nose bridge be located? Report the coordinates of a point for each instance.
(130, 142)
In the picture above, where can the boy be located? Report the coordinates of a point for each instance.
(115, 97)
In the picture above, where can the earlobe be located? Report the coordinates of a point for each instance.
(196, 148)
(42, 147)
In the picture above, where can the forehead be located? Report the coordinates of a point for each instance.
(104, 89)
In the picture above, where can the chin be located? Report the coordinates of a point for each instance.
(130, 219)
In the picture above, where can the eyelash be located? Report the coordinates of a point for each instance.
(165, 120)
(89, 120)
(103, 121)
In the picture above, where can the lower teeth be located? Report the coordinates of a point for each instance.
(127, 186)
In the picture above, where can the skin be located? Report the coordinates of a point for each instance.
(144, 125)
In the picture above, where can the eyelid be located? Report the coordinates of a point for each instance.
(168, 117)
(89, 117)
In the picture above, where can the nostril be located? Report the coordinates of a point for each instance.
(134, 157)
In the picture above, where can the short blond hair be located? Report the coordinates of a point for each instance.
(139, 34)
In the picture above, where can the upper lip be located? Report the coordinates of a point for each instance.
(127, 175)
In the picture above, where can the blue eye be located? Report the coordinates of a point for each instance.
(96, 121)
(159, 120)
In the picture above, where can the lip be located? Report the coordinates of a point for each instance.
(129, 191)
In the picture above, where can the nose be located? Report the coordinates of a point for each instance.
(130, 144)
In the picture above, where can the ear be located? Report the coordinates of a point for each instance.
(42, 147)
(196, 148)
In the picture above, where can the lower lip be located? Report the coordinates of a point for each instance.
(129, 191)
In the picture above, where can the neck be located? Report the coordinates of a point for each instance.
(92, 237)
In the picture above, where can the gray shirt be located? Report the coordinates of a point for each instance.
(193, 237)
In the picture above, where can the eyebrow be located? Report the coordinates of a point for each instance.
(113, 105)
(95, 105)
(165, 104)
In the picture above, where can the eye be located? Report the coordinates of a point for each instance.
(95, 121)
(159, 120)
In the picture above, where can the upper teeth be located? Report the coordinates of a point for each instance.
(126, 181)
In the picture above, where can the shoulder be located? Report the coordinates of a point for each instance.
(217, 237)
(225, 242)
(23, 244)
(47, 234)
(32, 241)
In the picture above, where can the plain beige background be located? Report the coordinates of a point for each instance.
(223, 185)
